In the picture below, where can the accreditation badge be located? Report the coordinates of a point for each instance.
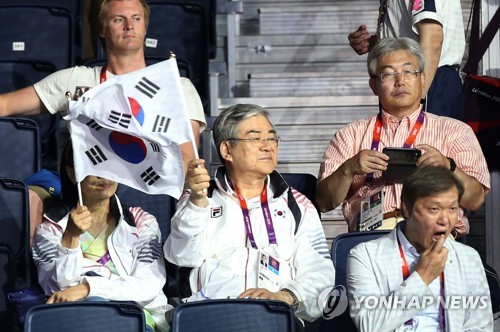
(371, 212)
(269, 272)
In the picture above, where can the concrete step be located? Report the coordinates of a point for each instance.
(337, 17)
(245, 70)
(309, 84)
(297, 54)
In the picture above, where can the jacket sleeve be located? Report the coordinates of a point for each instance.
(313, 266)
(363, 289)
(58, 267)
(479, 318)
(146, 277)
(186, 244)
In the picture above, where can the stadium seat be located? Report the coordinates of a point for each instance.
(341, 246)
(85, 316)
(229, 315)
(75, 7)
(14, 249)
(18, 74)
(19, 148)
(37, 32)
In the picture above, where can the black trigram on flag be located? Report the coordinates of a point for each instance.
(96, 155)
(149, 176)
(147, 87)
(94, 125)
(121, 119)
(161, 124)
(154, 146)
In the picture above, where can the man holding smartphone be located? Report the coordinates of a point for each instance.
(352, 168)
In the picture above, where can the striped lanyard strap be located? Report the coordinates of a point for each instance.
(265, 211)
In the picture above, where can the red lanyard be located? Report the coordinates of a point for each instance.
(102, 77)
(265, 211)
(377, 131)
(406, 274)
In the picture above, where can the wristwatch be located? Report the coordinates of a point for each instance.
(453, 165)
(295, 304)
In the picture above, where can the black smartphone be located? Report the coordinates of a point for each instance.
(402, 162)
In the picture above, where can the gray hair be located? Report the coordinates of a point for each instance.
(227, 123)
(390, 45)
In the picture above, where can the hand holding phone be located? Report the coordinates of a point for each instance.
(402, 162)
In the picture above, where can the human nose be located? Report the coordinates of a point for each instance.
(128, 25)
(399, 79)
(265, 144)
(445, 217)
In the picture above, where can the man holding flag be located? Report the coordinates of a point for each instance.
(122, 26)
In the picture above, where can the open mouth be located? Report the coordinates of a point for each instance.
(437, 235)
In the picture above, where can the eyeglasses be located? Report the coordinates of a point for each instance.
(273, 141)
(408, 75)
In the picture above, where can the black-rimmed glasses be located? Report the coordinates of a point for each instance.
(273, 141)
(390, 77)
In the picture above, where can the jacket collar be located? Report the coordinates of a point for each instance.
(275, 182)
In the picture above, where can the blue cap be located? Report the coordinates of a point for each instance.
(49, 180)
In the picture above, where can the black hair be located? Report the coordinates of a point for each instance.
(428, 181)
(69, 189)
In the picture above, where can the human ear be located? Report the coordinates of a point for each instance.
(405, 210)
(225, 152)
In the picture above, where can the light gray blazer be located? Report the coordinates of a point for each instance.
(374, 269)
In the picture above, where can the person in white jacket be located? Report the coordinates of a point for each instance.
(248, 234)
(101, 250)
(417, 278)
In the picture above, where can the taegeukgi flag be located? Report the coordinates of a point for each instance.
(128, 129)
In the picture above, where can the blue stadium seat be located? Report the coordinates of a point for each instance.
(19, 147)
(229, 315)
(85, 316)
(341, 246)
(14, 239)
(75, 7)
(37, 32)
(18, 74)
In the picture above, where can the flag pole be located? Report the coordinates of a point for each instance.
(80, 198)
(79, 186)
(191, 134)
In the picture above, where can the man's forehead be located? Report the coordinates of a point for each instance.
(118, 7)
(398, 58)
(255, 124)
(445, 196)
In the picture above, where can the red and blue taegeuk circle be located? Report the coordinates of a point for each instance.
(129, 148)
(137, 110)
